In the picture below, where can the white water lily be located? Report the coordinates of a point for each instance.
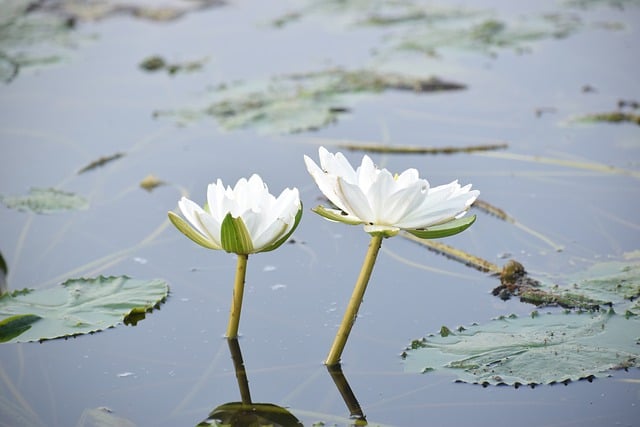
(387, 203)
(245, 219)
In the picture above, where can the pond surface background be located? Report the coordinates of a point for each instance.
(174, 367)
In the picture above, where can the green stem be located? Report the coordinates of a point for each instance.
(354, 304)
(238, 291)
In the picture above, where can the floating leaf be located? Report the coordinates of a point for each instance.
(150, 182)
(45, 201)
(157, 63)
(243, 414)
(102, 417)
(23, 33)
(602, 284)
(78, 306)
(551, 347)
(303, 102)
(542, 349)
(613, 117)
(100, 162)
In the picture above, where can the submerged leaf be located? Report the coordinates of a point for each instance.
(150, 182)
(78, 306)
(613, 117)
(541, 349)
(45, 201)
(303, 102)
(100, 162)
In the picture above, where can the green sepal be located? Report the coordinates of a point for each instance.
(234, 236)
(335, 215)
(186, 229)
(445, 230)
(283, 239)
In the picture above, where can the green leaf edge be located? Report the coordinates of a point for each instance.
(186, 229)
(283, 239)
(445, 230)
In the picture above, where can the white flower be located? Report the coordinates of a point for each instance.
(245, 219)
(385, 203)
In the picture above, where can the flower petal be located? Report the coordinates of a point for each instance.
(356, 202)
(191, 210)
(326, 183)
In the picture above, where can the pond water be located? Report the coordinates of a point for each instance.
(175, 366)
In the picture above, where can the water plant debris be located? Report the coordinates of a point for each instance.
(101, 162)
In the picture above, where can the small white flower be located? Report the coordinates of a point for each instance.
(385, 203)
(245, 219)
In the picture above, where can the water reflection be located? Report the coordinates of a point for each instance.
(347, 395)
(246, 413)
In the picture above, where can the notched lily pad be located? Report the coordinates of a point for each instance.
(303, 102)
(46, 201)
(77, 306)
(543, 349)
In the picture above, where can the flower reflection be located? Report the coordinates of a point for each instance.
(347, 394)
(246, 412)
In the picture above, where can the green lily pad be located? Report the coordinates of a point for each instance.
(550, 347)
(102, 417)
(77, 306)
(45, 201)
(542, 349)
(303, 102)
(24, 33)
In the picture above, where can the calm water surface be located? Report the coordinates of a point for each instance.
(175, 367)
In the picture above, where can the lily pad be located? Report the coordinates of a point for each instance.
(303, 102)
(489, 34)
(45, 201)
(550, 347)
(542, 349)
(77, 306)
(26, 34)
